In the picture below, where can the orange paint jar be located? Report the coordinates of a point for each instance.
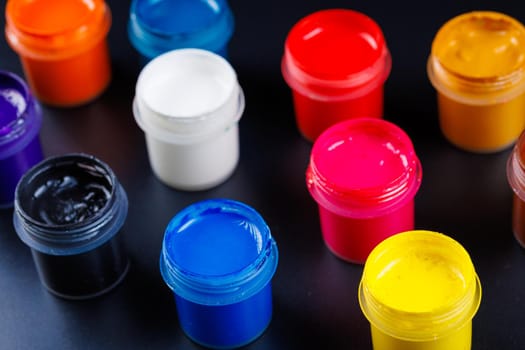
(62, 47)
(477, 65)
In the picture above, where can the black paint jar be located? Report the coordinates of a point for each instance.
(69, 210)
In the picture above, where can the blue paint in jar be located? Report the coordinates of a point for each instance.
(159, 26)
(20, 122)
(218, 257)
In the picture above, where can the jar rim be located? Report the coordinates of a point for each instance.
(364, 200)
(70, 238)
(59, 43)
(459, 83)
(151, 41)
(226, 287)
(439, 320)
(335, 81)
(188, 127)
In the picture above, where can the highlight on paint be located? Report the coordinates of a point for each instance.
(218, 257)
(477, 65)
(516, 179)
(419, 290)
(335, 62)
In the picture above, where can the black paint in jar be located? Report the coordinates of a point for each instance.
(69, 210)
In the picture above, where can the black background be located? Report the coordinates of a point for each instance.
(464, 195)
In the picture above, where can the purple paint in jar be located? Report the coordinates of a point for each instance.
(20, 122)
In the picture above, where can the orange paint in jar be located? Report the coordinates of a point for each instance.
(477, 65)
(62, 47)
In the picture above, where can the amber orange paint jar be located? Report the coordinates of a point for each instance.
(62, 47)
(477, 65)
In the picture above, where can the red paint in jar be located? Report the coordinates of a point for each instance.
(364, 175)
(336, 62)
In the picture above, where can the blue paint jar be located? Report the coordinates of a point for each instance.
(158, 26)
(20, 122)
(218, 257)
(69, 210)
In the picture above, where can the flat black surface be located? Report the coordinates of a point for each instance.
(463, 195)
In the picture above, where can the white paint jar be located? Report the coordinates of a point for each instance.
(188, 103)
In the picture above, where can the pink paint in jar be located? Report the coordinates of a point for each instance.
(363, 174)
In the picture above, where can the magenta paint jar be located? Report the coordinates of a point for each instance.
(364, 175)
(20, 121)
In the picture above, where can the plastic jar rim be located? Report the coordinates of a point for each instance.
(227, 288)
(350, 86)
(424, 325)
(194, 128)
(26, 126)
(76, 238)
(365, 202)
(61, 45)
(479, 91)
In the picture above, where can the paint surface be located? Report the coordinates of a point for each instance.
(68, 195)
(361, 157)
(419, 280)
(481, 46)
(181, 16)
(325, 43)
(188, 87)
(215, 243)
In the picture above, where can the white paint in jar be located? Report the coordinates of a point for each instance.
(188, 103)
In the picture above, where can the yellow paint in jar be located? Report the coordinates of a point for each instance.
(420, 291)
(477, 65)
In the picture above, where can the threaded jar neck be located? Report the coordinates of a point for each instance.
(69, 204)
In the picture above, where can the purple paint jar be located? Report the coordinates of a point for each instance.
(20, 121)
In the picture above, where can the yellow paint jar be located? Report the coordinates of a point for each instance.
(477, 65)
(419, 290)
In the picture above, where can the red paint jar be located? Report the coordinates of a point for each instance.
(364, 175)
(336, 62)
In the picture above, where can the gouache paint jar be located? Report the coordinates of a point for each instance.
(62, 47)
(420, 291)
(336, 62)
(188, 103)
(156, 27)
(69, 210)
(218, 257)
(516, 179)
(20, 122)
(364, 175)
(477, 65)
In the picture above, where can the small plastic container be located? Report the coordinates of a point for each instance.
(420, 291)
(62, 47)
(364, 175)
(516, 179)
(336, 62)
(477, 65)
(69, 210)
(218, 257)
(20, 121)
(156, 27)
(188, 103)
